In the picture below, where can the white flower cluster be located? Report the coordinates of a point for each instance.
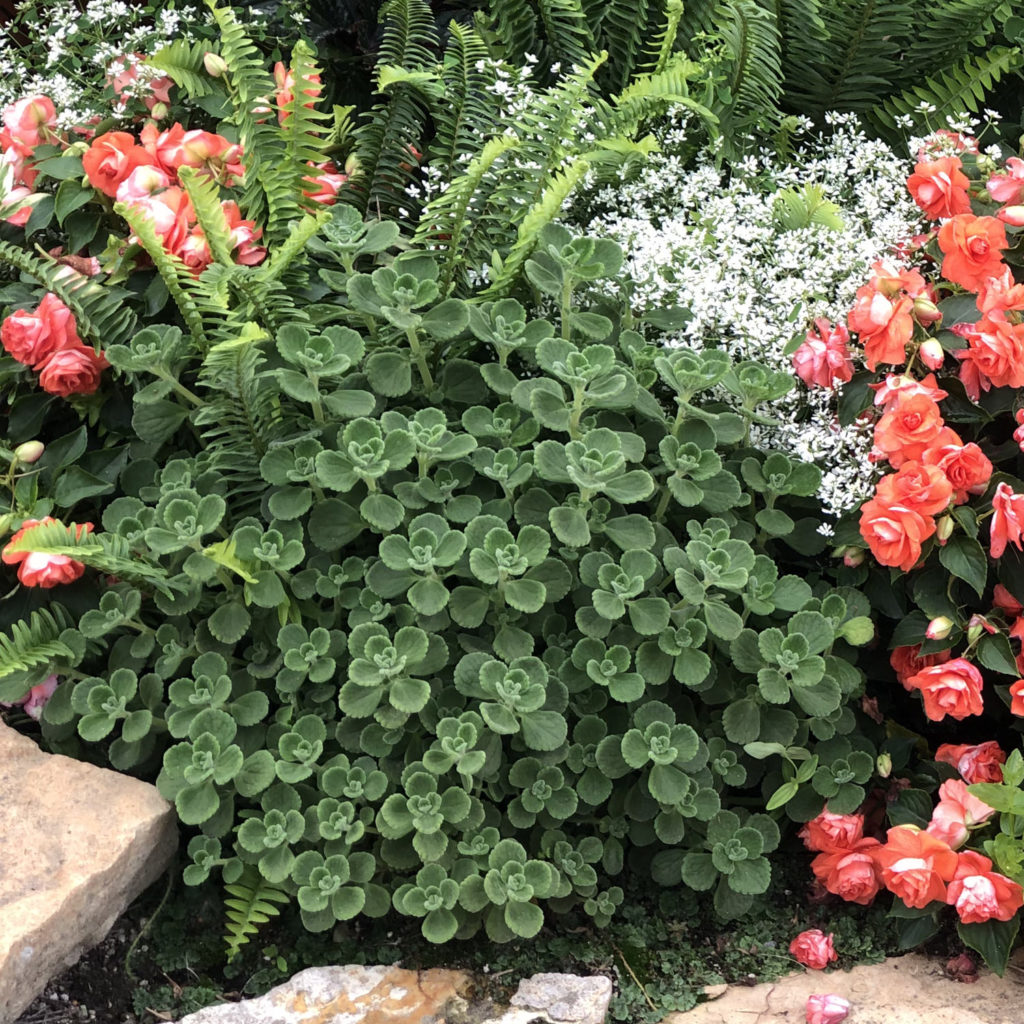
(715, 244)
(71, 50)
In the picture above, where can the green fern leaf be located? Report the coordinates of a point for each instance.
(183, 61)
(204, 193)
(35, 642)
(251, 904)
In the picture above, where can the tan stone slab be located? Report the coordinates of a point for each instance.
(77, 844)
(911, 989)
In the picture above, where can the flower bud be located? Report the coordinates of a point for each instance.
(944, 529)
(926, 312)
(29, 452)
(215, 64)
(1012, 215)
(977, 625)
(883, 765)
(159, 111)
(932, 354)
(6, 521)
(826, 1009)
(939, 628)
(352, 165)
(852, 557)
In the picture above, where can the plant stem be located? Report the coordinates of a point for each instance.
(421, 359)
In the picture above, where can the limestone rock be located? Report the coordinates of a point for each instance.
(348, 995)
(565, 997)
(392, 995)
(77, 844)
(904, 990)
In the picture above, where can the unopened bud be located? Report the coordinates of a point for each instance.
(352, 165)
(29, 452)
(852, 557)
(926, 312)
(939, 628)
(6, 521)
(159, 111)
(932, 354)
(977, 625)
(883, 765)
(215, 64)
(1012, 215)
(944, 529)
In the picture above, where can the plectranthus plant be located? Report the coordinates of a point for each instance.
(501, 607)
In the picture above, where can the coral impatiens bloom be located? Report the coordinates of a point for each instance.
(981, 894)
(908, 660)
(1007, 520)
(956, 812)
(1007, 186)
(850, 873)
(830, 831)
(32, 338)
(972, 248)
(908, 428)
(111, 158)
(925, 489)
(814, 949)
(996, 350)
(965, 466)
(915, 866)
(884, 326)
(939, 187)
(894, 533)
(37, 569)
(980, 762)
(952, 689)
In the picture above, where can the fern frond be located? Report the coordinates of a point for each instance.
(952, 90)
(568, 34)
(803, 32)
(856, 66)
(241, 417)
(251, 903)
(951, 28)
(543, 213)
(100, 318)
(464, 116)
(183, 61)
(623, 28)
(650, 94)
(514, 23)
(292, 247)
(410, 36)
(176, 276)
(204, 193)
(750, 39)
(35, 642)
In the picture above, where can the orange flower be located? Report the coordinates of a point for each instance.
(850, 873)
(939, 187)
(923, 488)
(906, 661)
(972, 249)
(1017, 698)
(981, 894)
(37, 569)
(908, 429)
(996, 350)
(884, 326)
(915, 866)
(980, 762)
(894, 533)
(1007, 520)
(111, 158)
(953, 689)
(965, 466)
(830, 831)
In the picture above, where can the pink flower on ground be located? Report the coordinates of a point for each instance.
(827, 1009)
(814, 949)
(956, 812)
(824, 357)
